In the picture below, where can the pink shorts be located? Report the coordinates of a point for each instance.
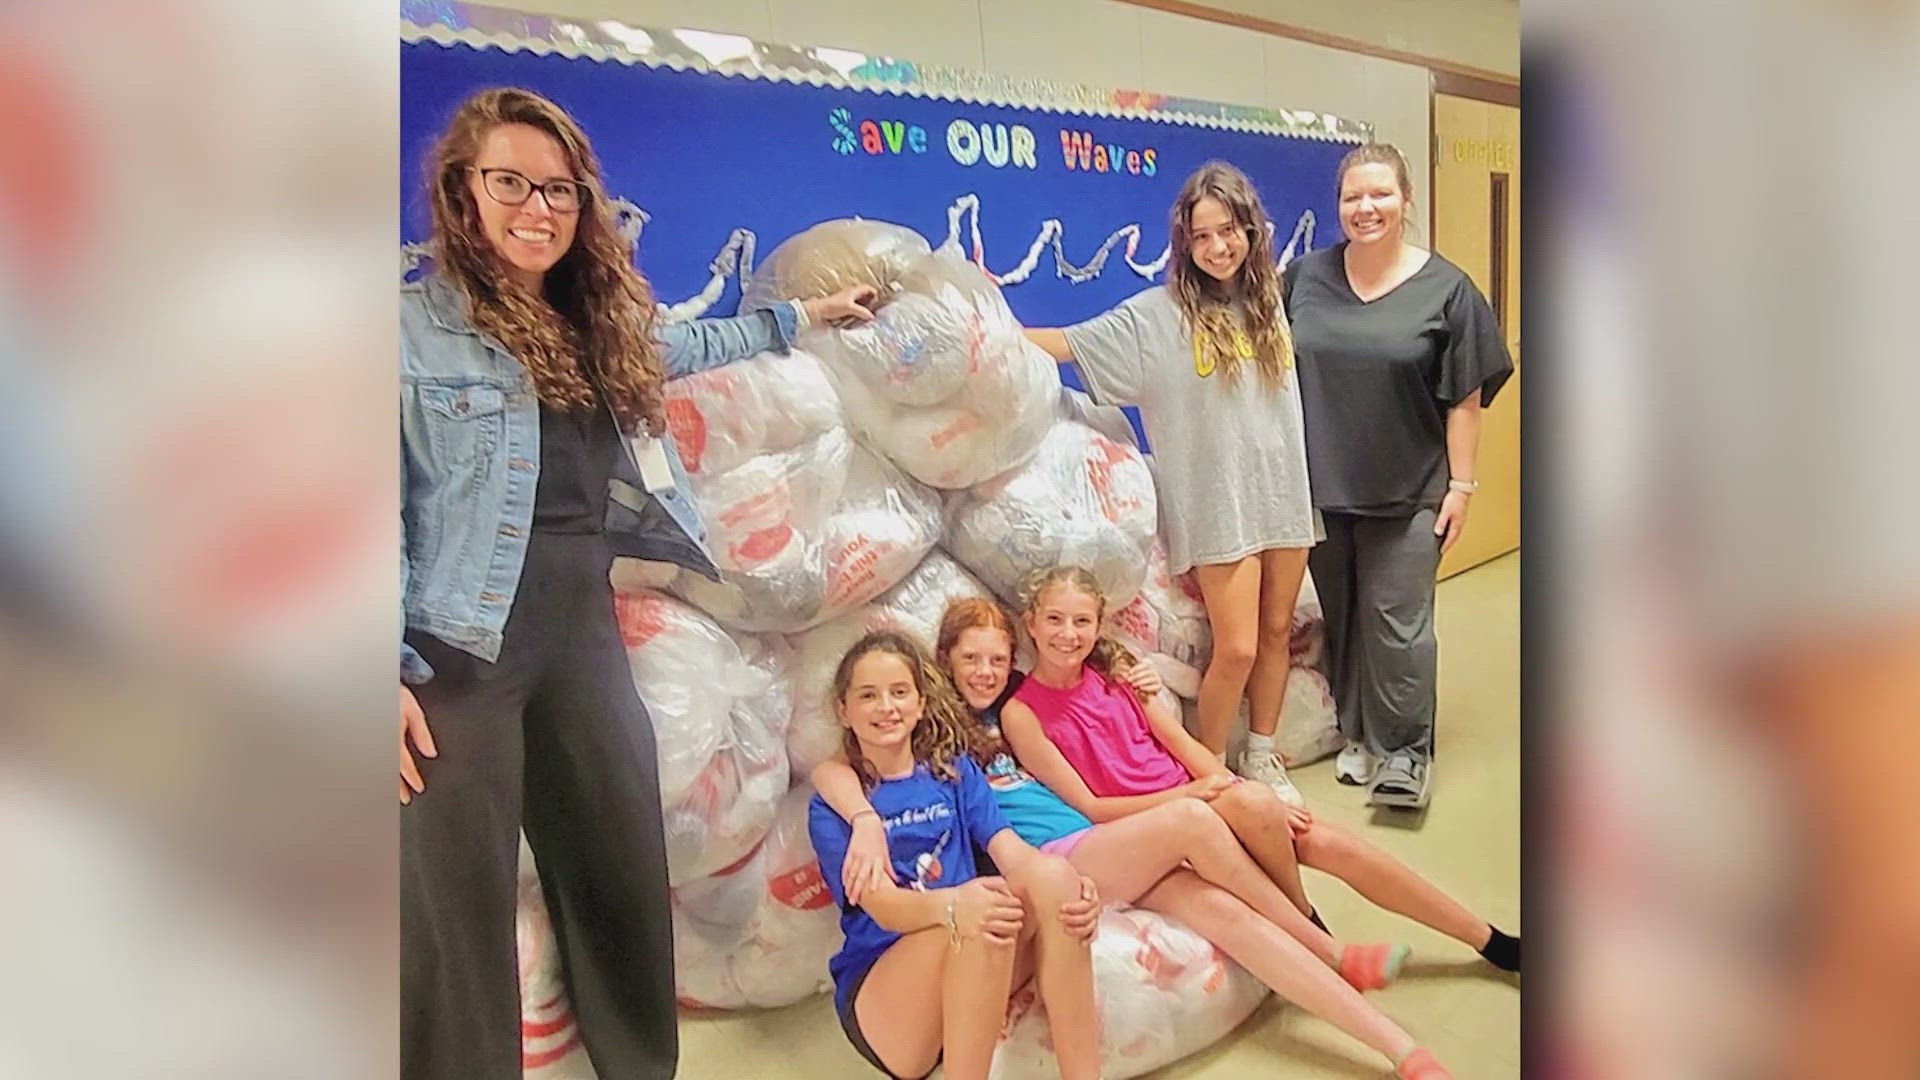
(1063, 846)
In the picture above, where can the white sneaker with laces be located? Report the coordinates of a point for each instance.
(1355, 764)
(1268, 770)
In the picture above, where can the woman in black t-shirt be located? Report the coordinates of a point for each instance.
(1398, 352)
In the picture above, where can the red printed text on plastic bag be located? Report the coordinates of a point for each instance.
(802, 889)
(641, 618)
(1101, 459)
(689, 429)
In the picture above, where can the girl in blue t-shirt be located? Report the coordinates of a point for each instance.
(1179, 857)
(933, 952)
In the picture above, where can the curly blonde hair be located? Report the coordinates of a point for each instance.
(1206, 304)
(1109, 657)
(598, 311)
(943, 734)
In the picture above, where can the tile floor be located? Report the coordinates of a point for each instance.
(1469, 843)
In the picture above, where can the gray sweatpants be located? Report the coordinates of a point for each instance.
(1375, 576)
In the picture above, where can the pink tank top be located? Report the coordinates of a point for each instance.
(1102, 731)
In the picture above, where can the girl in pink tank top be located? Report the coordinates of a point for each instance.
(1101, 729)
(1109, 755)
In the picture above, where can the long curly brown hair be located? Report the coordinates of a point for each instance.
(1109, 657)
(1207, 305)
(940, 737)
(598, 312)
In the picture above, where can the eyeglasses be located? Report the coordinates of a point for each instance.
(509, 188)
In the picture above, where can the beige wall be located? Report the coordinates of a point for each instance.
(1100, 42)
(1477, 33)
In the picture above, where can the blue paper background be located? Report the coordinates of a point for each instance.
(705, 154)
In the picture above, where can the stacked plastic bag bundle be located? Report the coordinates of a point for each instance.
(943, 381)
(1164, 992)
(723, 418)
(1167, 624)
(720, 711)
(914, 606)
(1309, 720)
(1083, 500)
(550, 1047)
(758, 934)
(835, 255)
(807, 534)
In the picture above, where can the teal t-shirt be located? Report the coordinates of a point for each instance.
(1037, 815)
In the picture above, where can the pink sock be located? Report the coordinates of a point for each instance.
(1421, 1065)
(1371, 967)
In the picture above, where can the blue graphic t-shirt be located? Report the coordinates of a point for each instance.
(932, 827)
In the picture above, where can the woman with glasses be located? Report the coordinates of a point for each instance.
(534, 450)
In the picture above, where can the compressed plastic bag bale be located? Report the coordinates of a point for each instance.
(725, 417)
(777, 954)
(993, 425)
(919, 602)
(947, 325)
(550, 1047)
(1083, 500)
(729, 806)
(1308, 645)
(678, 656)
(915, 606)
(1167, 624)
(808, 534)
(943, 381)
(1309, 723)
(1164, 992)
(832, 256)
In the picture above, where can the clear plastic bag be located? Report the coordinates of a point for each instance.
(723, 418)
(1164, 992)
(677, 656)
(760, 934)
(550, 1046)
(943, 381)
(1167, 624)
(1083, 500)
(915, 606)
(803, 536)
(834, 255)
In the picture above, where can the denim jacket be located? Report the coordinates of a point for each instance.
(470, 462)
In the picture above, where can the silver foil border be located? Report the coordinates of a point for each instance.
(481, 26)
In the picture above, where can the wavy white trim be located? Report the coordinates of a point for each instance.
(735, 259)
(480, 26)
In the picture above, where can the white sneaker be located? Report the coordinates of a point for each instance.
(1355, 764)
(1269, 771)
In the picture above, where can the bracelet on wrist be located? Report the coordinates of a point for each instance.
(1464, 487)
(874, 814)
(953, 927)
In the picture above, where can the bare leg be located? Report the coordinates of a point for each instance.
(1129, 856)
(921, 997)
(1232, 595)
(1280, 575)
(1063, 966)
(1388, 882)
(1258, 818)
(1277, 960)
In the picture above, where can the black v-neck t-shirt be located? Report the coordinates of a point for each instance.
(1378, 379)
